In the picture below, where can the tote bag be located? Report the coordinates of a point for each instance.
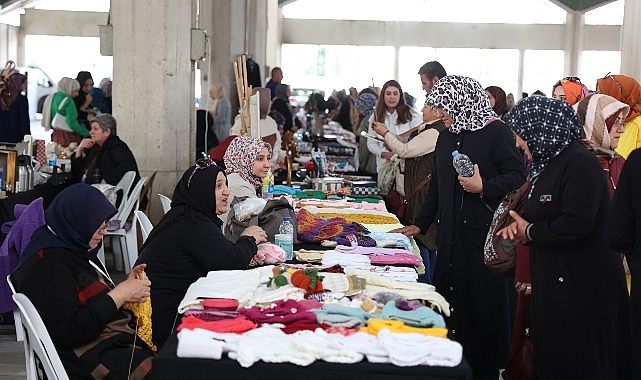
(60, 121)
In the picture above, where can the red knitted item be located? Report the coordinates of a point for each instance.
(237, 325)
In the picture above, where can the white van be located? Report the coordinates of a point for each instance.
(39, 85)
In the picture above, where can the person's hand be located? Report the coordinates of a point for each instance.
(387, 155)
(473, 184)
(379, 128)
(86, 143)
(136, 288)
(407, 230)
(515, 230)
(524, 288)
(258, 233)
(88, 98)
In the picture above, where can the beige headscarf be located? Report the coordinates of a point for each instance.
(593, 112)
(66, 85)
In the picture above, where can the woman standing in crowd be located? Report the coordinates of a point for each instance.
(246, 164)
(462, 208)
(394, 114)
(627, 90)
(417, 162)
(602, 118)
(365, 105)
(14, 110)
(623, 233)
(188, 242)
(220, 110)
(84, 98)
(79, 303)
(498, 100)
(68, 89)
(281, 104)
(563, 223)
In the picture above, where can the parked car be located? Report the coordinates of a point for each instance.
(39, 86)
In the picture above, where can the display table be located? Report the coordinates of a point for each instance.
(168, 366)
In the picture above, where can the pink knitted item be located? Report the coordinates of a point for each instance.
(269, 253)
(282, 311)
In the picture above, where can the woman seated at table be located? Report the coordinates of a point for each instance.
(104, 157)
(246, 163)
(77, 300)
(188, 242)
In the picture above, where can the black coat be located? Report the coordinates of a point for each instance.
(114, 159)
(480, 311)
(579, 296)
(14, 123)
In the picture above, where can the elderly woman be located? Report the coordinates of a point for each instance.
(627, 90)
(220, 110)
(103, 157)
(463, 208)
(77, 300)
(68, 89)
(188, 242)
(246, 163)
(563, 222)
(602, 117)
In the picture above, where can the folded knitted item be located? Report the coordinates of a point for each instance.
(415, 349)
(397, 259)
(238, 325)
(375, 326)
(300, 326)
(337, 320)
(325, 346)
(420, 317)
(283, 311)
(349, 311)
(194, 345)
(271, 346)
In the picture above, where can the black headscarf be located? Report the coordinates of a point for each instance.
(547, 125)
(197, 196)
(72, 219)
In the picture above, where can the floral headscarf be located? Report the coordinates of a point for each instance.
(365, 104)
(623, 89)
(596, 113)
(547, 125)
(240, 156)
(465, 100)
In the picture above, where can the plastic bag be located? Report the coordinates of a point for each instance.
(249, 207)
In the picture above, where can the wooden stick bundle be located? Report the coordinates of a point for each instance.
(244, 93)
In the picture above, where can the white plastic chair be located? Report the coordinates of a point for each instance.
(166, 202)
(16, 314)
(145, 224)
(38, 342)
(129, 250)
(124, 185)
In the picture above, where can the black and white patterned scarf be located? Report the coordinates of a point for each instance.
(548, 126)
(465, 100)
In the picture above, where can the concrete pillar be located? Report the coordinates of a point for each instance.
(153, 91)
(234, 28)
(574, 36)
(273, 37)
(630, 32)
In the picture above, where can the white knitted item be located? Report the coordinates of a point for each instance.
(265, 295)
(411, 349)
(234, 284)
(367, 344)
(194, 345)
(323, 346)
(271, 346)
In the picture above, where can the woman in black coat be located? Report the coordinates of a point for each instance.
(579, 295)
(462, 208)
(623, 233)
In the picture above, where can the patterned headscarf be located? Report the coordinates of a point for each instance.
(14, 88)
(240, 156)
(594, 112)
(464, 100)
(623, 89)
(365, 104)
(573, 89)
(547, 125)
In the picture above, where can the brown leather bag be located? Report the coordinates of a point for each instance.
(396, 203)
(500, 254)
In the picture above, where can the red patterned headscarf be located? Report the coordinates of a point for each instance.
(240, 156)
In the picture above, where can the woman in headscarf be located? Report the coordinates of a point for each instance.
(281, 104)
(14, 110)
(365, 105)
(417, 161)
(68, 89)
(188, 242)
(602, 118)
(220, 110)
(80, 305)
(462, 208)
(498, 100)
(627, 90)
(569, 89)
(246, 164)
(84, 98)
(563, 223)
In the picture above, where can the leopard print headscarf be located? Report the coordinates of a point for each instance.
(465, 100)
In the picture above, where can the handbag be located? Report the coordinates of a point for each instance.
(269, 219)
(499, 254)
(59, 120)
(396, 203)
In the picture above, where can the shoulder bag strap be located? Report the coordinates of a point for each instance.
(418, 187)
(62, 103)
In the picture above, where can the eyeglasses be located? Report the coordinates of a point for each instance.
(619, 122)
(202, 163)
(609, 76)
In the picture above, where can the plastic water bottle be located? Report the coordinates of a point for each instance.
(53, 159)
(285, 237)
(268, 186)
(462, 164)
